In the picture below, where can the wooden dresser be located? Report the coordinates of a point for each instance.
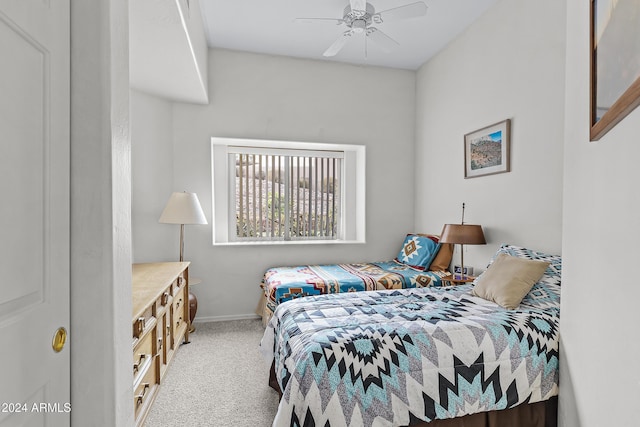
(160, 323)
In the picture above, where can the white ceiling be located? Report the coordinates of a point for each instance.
(268, 27)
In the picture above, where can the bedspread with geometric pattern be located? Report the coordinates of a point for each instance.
(392, 357)
(282, 284)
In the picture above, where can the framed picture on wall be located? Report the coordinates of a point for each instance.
(486, 150)
(615, 63)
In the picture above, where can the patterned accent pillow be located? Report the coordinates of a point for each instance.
(553, 272)
(418, 251)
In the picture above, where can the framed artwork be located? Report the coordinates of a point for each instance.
(615, 63)
(486, 151)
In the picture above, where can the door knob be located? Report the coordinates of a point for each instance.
(59, 339)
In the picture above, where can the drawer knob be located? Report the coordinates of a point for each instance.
(136, 365)
(165, 298)
(139, 326)
(140, 397)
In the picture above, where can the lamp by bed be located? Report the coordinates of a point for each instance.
(462, 234)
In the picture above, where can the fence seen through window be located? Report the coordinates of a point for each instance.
(287, 197)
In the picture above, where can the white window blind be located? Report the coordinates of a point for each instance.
(287, 192)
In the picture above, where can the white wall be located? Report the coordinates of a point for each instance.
(268, 97)
(505, 66)
(100, 335)
(194, 29)
(152, 178)
(168, 49)
(600, 385)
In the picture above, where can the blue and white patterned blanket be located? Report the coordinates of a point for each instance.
(282, 284)
(392, 357)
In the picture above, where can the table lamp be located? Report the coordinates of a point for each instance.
(462, 234)
(183, 208)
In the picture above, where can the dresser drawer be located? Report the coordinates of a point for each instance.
(179, 314)
(145, 387)
(179, 302)
(143, 352)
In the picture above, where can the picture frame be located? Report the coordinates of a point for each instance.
(486, 150)
(615, 63)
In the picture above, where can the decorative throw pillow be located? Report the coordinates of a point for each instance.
(508, 280)
(418, 251)
(443, 258)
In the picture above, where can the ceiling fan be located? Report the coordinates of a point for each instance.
(359, 17)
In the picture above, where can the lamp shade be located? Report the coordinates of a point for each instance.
(465, 234)
(183, 208)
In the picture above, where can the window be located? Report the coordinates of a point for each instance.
(290, 192)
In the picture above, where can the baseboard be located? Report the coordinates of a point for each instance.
(207, 319)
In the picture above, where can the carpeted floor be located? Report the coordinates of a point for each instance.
(218, 380)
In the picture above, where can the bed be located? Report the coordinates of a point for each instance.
(420, 355)
(421, 262)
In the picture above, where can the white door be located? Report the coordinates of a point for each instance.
(34, 211)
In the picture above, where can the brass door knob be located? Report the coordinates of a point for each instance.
(59, 339)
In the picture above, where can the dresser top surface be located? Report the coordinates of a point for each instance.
(150, 280)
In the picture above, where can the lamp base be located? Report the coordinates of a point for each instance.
(193, 307)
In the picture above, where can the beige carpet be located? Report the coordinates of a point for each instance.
(218, 380)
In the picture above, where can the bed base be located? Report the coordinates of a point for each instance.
(539, 414)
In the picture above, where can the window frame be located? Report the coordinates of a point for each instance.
(352, 189)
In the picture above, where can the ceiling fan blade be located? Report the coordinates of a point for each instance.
(407, 11)
(319, 21)
(358, 4)
(385, 42)
(338, 44)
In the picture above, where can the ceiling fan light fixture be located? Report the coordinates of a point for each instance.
(358, 26)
